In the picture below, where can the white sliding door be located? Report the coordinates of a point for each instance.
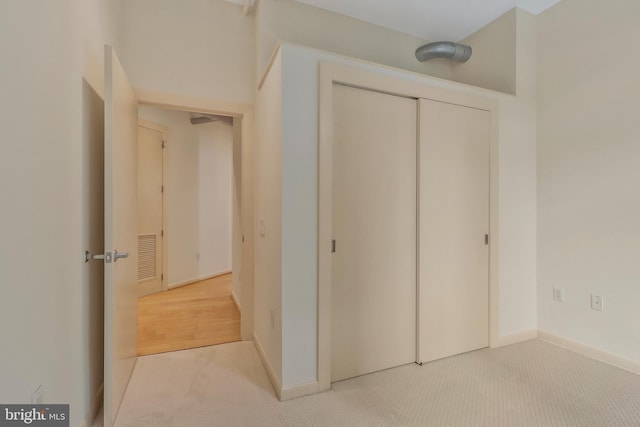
(454, 218)
(373, 319)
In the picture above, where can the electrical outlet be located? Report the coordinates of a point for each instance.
(558, 294)
(596, 302)
(273, 318)
(37, 398)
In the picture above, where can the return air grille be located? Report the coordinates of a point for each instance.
(146, 256)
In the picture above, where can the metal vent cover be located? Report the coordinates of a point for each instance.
(147, 249)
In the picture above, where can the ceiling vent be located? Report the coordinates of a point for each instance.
(449, 50)
(200, 119)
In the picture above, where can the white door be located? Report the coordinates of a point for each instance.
(150, 212)
(373, 303)
(454, 218)
(121, 223)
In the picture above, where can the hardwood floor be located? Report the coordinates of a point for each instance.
(191, 316)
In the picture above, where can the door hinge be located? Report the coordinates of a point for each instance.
(162, 189)
(486, 239)
(162, 277)
(164, 144)
(333, 245)
(161, 233)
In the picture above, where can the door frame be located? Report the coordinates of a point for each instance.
(417, 87)
(245, 112)
(165, 230)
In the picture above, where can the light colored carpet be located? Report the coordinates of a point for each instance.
(528, 384)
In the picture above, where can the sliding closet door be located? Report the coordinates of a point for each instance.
(373, 324)
(454, 218)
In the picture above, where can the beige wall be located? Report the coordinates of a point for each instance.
(505, 51)
(493, 62)
(295, 22)
(518, 188)
(215, 173)
(504, 59)
(50, 310)
(588, 172)
(268, 211)
(196, 48)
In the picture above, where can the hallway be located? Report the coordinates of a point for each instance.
(196, 315)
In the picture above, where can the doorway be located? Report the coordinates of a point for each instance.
(186, 159)
(120, 217)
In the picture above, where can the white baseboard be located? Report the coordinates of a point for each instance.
(283, 393)
(197, 279)
(271, 373)
(95, 408)
(299, 390)
(516, 338)
(590, 352)
(236, 301)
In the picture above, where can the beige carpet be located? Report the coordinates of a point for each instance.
(528, 384)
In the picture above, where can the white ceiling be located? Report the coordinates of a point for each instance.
(433, 20)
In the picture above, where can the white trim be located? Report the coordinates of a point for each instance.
(283, 393)
(271, 373)
(591, 352)
(299, 390)
(95, 408)
(331, 73)
(516, 338)
(198, 279)
(236, 301)
(272, 60)
(155, 126)
(189, 103)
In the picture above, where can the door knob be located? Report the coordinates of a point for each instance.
(88, 256)
(107, 256)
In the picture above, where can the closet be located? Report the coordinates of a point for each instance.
(410, 224)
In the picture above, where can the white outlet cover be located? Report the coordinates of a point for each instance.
(596, 302)
(558, 294)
